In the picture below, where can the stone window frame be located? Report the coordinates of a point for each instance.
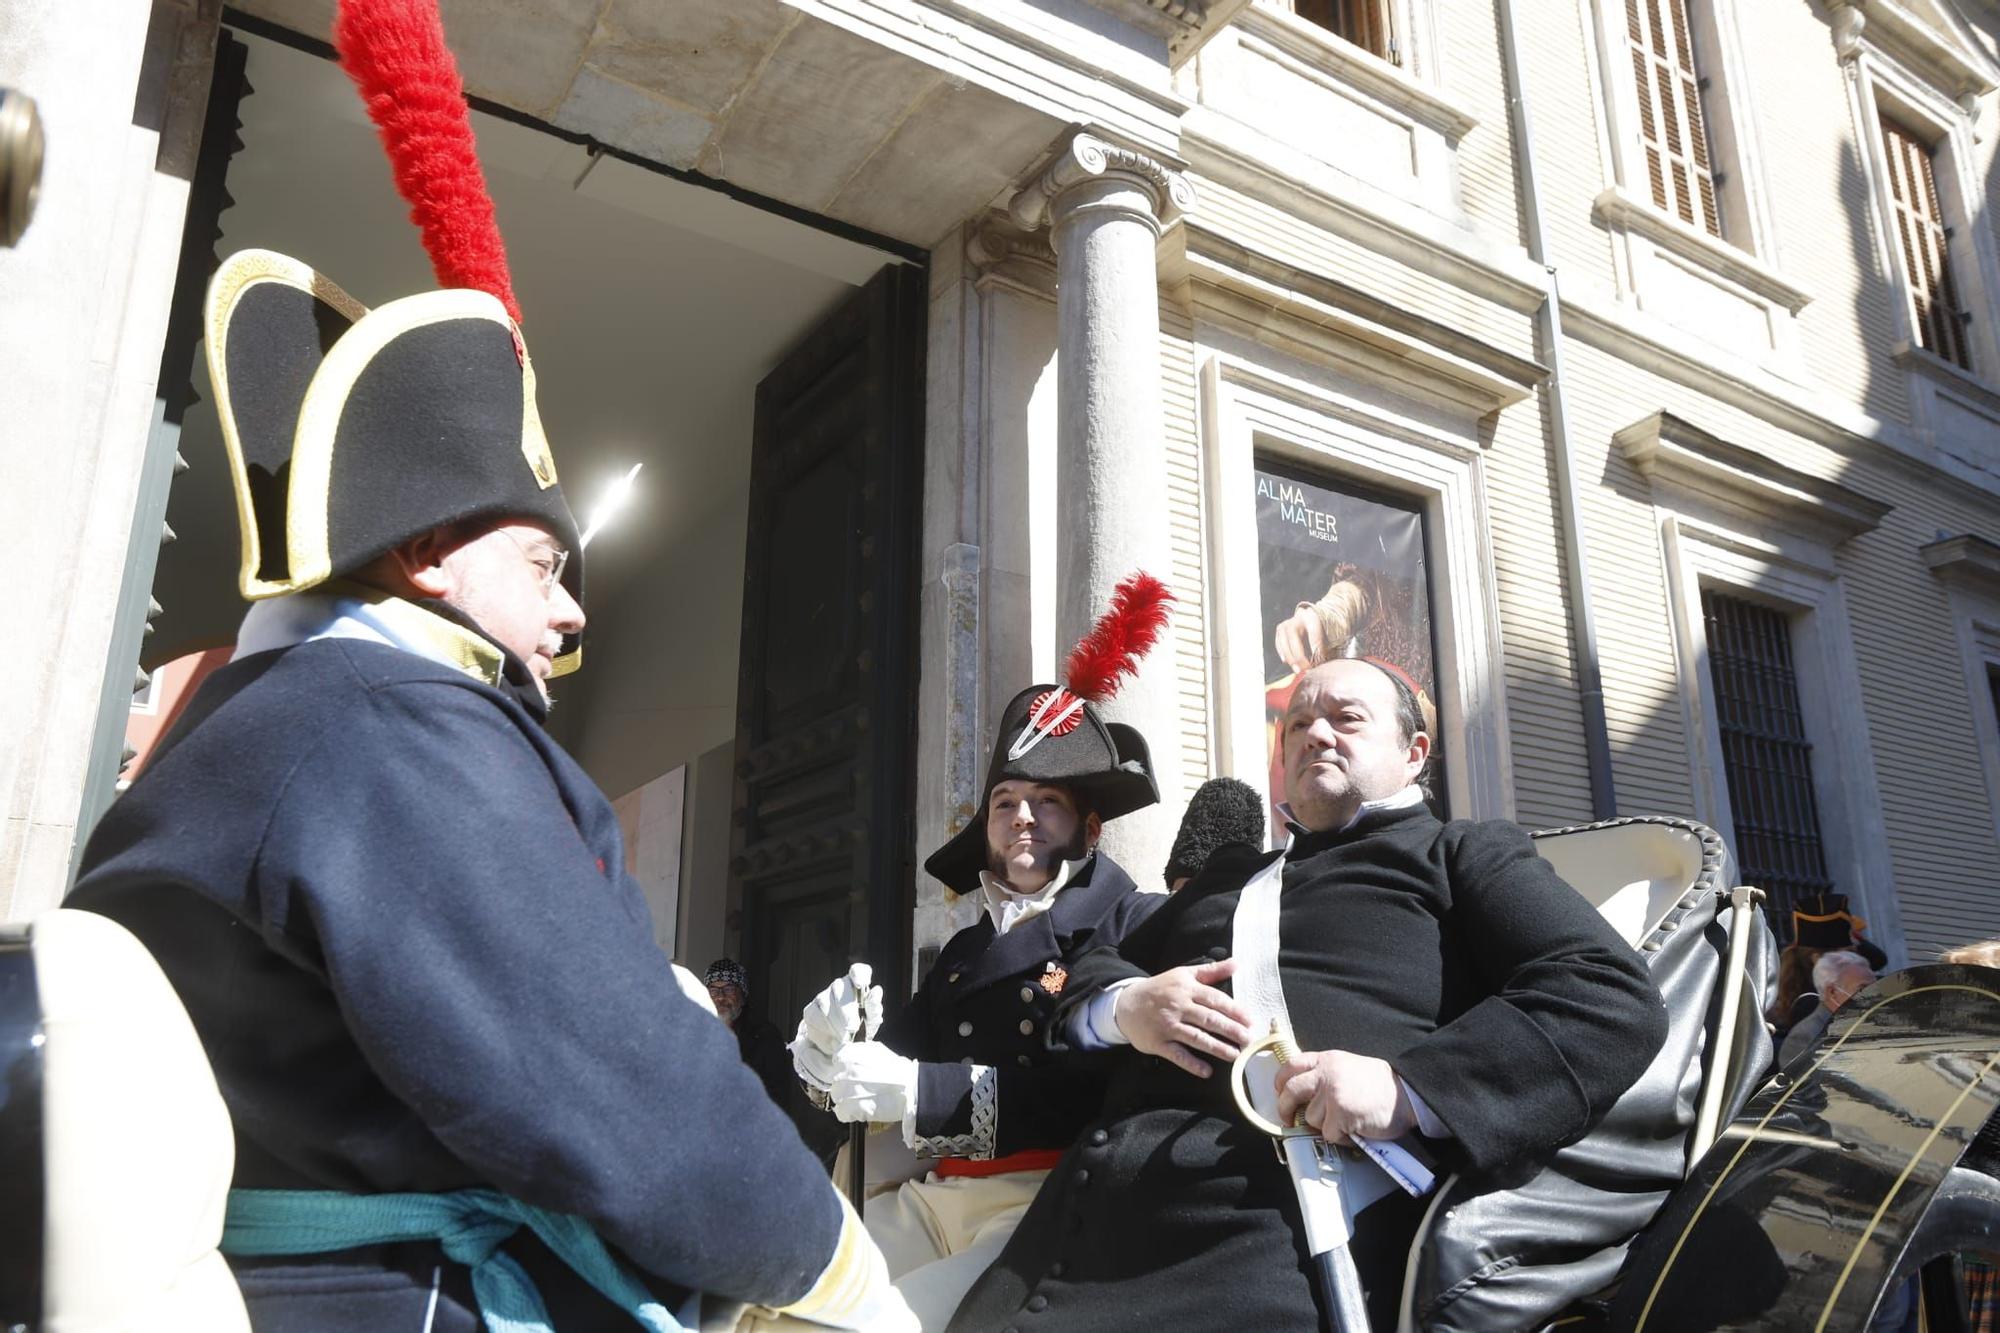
(1970, 570)
(1885, 82)
(1386, 15)
(1743, 258)
(1411, 85)
(1741, 523)
(1251, 408)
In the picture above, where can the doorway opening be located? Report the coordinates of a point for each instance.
(747, 694)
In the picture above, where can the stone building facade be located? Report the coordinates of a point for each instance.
(1675, 324)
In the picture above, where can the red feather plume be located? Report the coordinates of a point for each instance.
(1125, 633)
(395, 52)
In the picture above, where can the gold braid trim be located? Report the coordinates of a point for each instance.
(844, 1284)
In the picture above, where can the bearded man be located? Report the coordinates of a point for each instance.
(757, 1038)
(1442, 981)
(963, 1070)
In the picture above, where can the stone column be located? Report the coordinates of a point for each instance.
(1105, 208)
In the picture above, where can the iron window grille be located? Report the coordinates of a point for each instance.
(1765, 754)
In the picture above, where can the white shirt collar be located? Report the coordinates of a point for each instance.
(302, 617)
(1009, 908)
(1402, 800)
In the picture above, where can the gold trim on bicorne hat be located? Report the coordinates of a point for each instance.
(350, 430)
(233, 281)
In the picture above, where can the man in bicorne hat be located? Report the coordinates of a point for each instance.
(466, 1085)
(963, 1070)
(397, 911)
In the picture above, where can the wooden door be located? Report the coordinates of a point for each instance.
(826, 696)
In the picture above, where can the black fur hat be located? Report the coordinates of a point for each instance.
(1222, 811)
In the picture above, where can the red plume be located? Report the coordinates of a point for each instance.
(395, 52)
(1123, 634)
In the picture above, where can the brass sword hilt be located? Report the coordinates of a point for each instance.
(1280, 1044)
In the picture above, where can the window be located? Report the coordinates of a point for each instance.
(1765, 754)
(1361, 475)
(1917, 77)
(1672, 130)
(1690, 225)
(1778, 744)
(1369, 24)
(1922, 239)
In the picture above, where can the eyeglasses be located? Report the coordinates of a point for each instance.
(549, 561)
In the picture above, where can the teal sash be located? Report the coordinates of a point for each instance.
(470, 1224)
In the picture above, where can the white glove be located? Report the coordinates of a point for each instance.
(874, 1085)
(815, 1068)
(849, 1009)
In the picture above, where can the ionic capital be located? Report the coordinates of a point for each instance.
(1087, 158)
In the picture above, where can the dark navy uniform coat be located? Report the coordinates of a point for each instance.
(398, 915)
(988, 1001)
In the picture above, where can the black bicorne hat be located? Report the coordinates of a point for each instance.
(1105, 764)
(351, 431)
(1822, 921)
(1052, 734)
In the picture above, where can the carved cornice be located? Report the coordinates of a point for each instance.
(1671, 453)
(1307, 315)
(1002, 252)
(995, 242)
(1088, 158)
(1183, 24)
(1945, 55)
(1617, 209)
(1972, 562)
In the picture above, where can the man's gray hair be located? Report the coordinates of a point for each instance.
(1831, 965)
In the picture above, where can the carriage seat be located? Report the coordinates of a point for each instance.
(1633, 871)
(110, 1105)
(1519, 1257)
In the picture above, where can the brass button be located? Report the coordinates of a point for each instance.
(1027, 1027)
(965, 1029)
(1023, 1061)
(952, 977)
(1027, 995)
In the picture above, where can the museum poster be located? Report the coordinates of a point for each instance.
(1339, 575)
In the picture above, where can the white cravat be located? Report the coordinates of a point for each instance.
(1009, 909)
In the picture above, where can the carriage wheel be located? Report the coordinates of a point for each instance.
(1962, 1222)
